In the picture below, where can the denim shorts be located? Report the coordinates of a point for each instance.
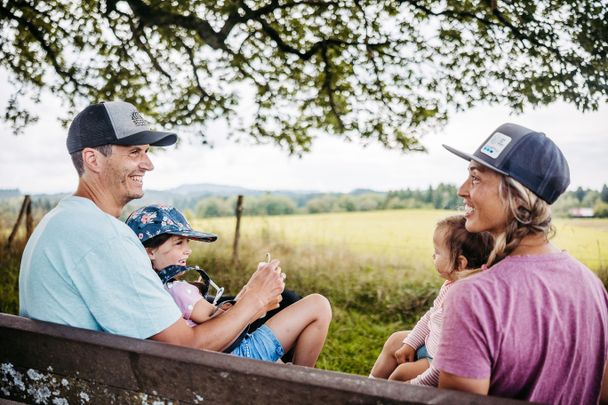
(421, 353)
(262, 344)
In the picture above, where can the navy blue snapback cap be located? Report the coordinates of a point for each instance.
(525, 155)
(113, 123)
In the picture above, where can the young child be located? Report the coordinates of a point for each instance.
(165, 234)
(408, 356)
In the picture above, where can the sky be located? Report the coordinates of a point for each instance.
(37, 161)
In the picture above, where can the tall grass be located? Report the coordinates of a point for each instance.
(10, 260)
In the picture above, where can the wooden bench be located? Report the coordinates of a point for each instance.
(46, 363)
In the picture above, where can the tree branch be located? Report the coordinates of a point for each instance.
(328, 88)
(156, 17)
(51, 55)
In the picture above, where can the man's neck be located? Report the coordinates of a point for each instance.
(103, 200)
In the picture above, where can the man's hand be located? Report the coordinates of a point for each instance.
(264, 288)
(405, 353)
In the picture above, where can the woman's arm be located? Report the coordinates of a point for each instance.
(473, 385)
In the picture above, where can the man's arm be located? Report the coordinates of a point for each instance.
(217, 333)
(604, 390)
(214, 334)
(473, 385)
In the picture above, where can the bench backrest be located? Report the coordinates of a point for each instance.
(41, 362)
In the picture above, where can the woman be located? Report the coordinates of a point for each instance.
(534, 325)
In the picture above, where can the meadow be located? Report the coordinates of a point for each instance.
(375, 267)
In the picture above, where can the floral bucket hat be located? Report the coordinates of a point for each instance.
(153, 220)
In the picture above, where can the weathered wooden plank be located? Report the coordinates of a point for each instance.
(55, 364)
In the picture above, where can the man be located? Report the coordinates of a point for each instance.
(83, 267)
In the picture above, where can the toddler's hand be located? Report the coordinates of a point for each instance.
(225, 306)
(405, 353)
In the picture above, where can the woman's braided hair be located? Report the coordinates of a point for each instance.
(527, 215)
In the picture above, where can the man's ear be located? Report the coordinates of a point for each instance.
(91, 159)
(462, 262)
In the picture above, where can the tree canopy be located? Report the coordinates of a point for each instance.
(382, 71)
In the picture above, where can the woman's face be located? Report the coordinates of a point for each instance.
(484, 209)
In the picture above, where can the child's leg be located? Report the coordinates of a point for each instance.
(386, 362)
(407, 371)
(303, 324)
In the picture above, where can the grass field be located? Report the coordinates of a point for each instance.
(375, 267)
(398, 239)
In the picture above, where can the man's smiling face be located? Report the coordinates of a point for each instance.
(124, 172)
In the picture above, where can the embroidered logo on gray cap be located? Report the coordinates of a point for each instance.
(138, 120)
(125, 119)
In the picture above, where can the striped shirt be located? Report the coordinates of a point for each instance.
(428, 332)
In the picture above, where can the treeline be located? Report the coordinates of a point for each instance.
(583, 198)
(444, 196)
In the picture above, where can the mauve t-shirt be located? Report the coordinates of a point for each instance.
(537, 326)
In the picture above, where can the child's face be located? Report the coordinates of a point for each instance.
(441, 255)
(175, 250)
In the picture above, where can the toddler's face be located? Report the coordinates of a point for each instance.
(175, 250)
(441, 255)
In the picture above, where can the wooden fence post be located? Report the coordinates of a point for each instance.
(237, 232)
(29, 220)
(26, 208)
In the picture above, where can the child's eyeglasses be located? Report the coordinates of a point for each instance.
(170, 273)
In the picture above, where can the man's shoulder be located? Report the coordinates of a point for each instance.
(80, 217)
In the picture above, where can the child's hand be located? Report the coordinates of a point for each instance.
(225, 306)
(274, 304)
(405, 353)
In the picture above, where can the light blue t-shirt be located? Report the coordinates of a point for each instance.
(84, 268)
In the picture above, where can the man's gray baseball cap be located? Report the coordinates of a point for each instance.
(525, 155)
(113, 123)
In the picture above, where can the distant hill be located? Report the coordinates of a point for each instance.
(9, 193)
(206, 189)
(210, 189)
(186, 196)
(185, 190)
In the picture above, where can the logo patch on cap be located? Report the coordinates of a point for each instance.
(495, 145)
(138, 120)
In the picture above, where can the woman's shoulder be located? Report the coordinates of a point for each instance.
(516, 272)
(483, 283)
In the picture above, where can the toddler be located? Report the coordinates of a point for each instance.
(408, 356)
(165, 234)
